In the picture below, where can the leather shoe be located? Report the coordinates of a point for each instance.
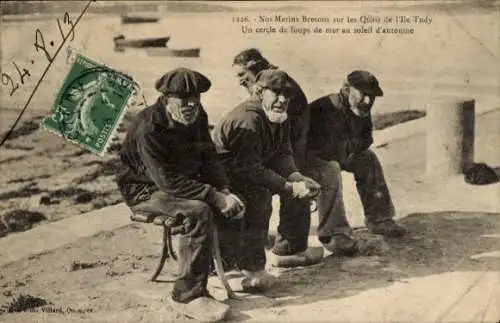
(388, 228)
(308, 257)
(342, 244)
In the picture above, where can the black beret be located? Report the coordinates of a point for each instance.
(366, 82)
(276, 80)
(183, 81)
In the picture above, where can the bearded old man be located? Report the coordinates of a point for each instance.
(171, 168)
(291, 244)
(341, 131)
(294, 214)
(254, 145)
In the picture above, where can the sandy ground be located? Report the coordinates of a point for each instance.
(102, 278)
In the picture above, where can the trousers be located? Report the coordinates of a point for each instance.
(194, 255)
(294, 224)
(242, 243)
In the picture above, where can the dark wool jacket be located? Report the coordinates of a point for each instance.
(253, 149)
(299, 115)
(336, 132)
(159, 153)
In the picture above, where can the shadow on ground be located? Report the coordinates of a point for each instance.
(438, 242)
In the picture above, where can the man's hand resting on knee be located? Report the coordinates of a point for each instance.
(301, 186)
(227, 203)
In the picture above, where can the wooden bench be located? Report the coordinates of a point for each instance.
(167, 250)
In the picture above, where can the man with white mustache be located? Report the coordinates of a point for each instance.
(290, 246)
(171, 167)
(253, 143)
(341, 132)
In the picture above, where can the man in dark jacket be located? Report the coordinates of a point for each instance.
(254, 145)
(171, 168)
(294, 213)
(341, 131)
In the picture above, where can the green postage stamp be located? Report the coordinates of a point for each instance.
(90, 104)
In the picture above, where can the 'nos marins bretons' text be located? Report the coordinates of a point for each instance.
(377, 24)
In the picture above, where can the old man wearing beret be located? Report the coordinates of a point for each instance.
(254, 145)
(294, 214)
(171, 168)
(341, 131)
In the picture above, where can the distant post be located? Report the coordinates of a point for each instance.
(450, 136)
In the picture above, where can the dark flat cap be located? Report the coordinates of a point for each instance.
(183, 81)
(276, 80)
(366, 82)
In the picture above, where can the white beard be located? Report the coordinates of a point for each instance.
(276, 117)
(175, 112)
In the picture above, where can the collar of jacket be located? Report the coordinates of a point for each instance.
(339, 102)
(255, 105)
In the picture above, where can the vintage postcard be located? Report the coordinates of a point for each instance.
(263, 161)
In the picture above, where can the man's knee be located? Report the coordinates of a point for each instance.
(368, 157)
(333, 167)
(199, 211)
(194, 218)
(331, 171)
(325, 172)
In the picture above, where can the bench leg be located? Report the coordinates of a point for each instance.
(219, 267)
(166, 249)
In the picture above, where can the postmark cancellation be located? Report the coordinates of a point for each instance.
(90, 104)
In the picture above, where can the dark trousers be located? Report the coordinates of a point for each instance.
(294, 221)
(194, 253)
(242, 243)
(371, 185)
(293, 228)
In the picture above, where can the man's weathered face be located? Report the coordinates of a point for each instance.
(360, 103)
(275, 105)
(184, 108)
(245, 77)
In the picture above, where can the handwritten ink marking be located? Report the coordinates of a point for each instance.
(67, 20)
(38, 34)
(23, 74)
(6, 79)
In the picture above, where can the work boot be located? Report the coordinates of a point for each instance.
(308, 257)
(342, 244)
(204, 309)
(249, 282)
(257, 281)
(388, 228)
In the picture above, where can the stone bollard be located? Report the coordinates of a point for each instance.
(450, 136)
